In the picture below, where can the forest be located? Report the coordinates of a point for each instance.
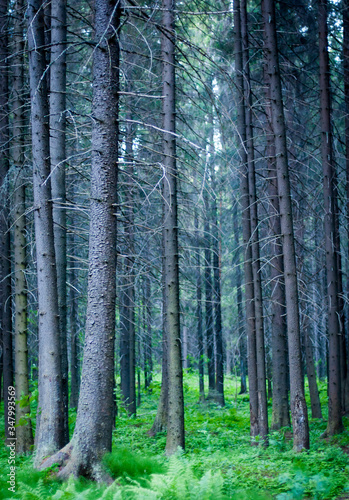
(174, 249)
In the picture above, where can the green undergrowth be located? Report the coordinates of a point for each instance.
(219, 461)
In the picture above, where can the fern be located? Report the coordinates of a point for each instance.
(30, 493)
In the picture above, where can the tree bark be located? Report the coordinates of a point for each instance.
(49, 433)
(238, 284)
(311, 374)
(94, 423)
(209, 302)
(175, 422)
(258, 302)
(298, 404)
(335, 424)
(199, 310)
(148, 349)
(5, 253)
(74, 343)
(281, 411)
(58, 159)
(128, 344)
(246, 229)
(219, 397)
(24, 434)
(346, 100)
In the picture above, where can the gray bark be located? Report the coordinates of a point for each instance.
(5, 254)
(346, 98)
(246, 229)
(24, 434)
(58, 164)
(175, 422)
(49, 433)
(199, 310)
(94, 423)
(127, 316)
(281, 411)
(335, 424)
(298, 404)
(258, 303)
(209, 324)
(217, 301)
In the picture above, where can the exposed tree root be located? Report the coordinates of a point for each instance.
(72, 463)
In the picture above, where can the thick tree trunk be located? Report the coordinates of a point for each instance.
(94, 423)
(335, 424)
(49, 433)
(246, 229)
(24, 434)
(258, 303)
(175, 422)
(58, 158)
(298, 404)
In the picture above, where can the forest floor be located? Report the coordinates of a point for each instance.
(219, 462)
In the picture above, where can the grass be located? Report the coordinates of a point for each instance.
(219, 462)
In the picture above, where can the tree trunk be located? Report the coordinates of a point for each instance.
(311, 373)
(5, 254)
(346, 98)
(24, 434)
(208, 303)
(298, 404)
(335, 424)
(175, 422)
(58, 158)
(238, 285)
(281, 411)
(161, 418)
(127, 365)
(258, 304)
(94, 423)
(199, 310)
(49, 433)
(246, 229)
(217, 301)
(74, 351)
(148, 354)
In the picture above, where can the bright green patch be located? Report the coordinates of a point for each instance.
(219, 462)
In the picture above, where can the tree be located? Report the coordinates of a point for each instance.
(58, 165)
(258, 304)
(298, 404)
(246, 227)
(50, 417)
(175, 423)
(94, 423)
(335, 424)
(24, 435)
(5, 253)
(281, 414)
